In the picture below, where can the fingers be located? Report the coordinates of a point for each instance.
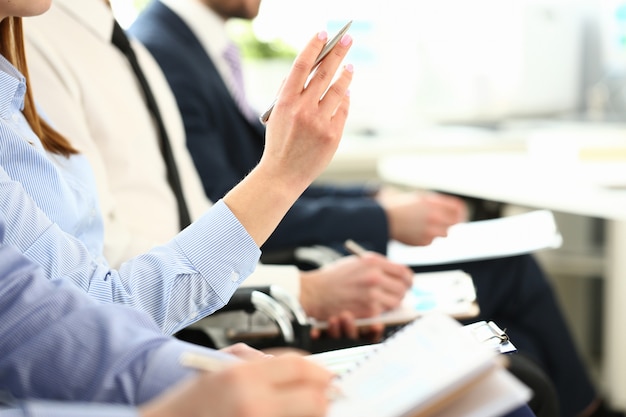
(342, 325)
(291, 368)
(302, 401)
(301, 69)
(397, 272)
(303, 64)
(326, 70)
(451, 209)
(373, 332)
(348, 327)
(287, 385)
(336, 101)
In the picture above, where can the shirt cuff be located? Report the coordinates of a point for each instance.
(219, 238)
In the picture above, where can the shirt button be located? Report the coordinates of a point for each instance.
(234, 276)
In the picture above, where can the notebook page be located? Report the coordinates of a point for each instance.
(425, 361)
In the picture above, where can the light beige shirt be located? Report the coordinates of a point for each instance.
(87, 89)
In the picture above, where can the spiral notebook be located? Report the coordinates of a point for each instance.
(430, 367)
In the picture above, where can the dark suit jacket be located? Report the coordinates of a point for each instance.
(225, 146)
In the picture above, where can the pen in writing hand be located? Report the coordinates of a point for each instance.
(354, 248)
(358, 250)
(212, 364)
(204, 362)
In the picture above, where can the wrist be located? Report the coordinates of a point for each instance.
(307, 294)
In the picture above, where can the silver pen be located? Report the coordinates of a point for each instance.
(327, 48)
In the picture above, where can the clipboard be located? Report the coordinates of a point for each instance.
(426, 368)
(489, 334)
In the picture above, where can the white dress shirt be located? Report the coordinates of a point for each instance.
(89, 92)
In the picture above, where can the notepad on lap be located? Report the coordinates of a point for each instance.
(428, 368)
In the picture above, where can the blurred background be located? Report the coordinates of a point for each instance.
(451, 61)
(542, 77)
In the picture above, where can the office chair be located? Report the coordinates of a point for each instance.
(283, 321)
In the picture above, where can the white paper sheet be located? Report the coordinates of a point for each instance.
(484, 239)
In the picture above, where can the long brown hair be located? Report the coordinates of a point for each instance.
(12, 48)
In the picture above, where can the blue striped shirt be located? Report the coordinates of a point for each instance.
(53, 217)
(56, 343)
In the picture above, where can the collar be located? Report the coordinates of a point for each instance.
(95, 15)
(12, 88)
(206, 25)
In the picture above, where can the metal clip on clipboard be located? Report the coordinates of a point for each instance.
(490, 334)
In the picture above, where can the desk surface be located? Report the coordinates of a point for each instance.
(589, 189)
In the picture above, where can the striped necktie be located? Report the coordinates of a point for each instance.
(120, 40)
(232, 57)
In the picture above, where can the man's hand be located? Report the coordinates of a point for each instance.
(344, 326)
(365, 286)
(417, 218)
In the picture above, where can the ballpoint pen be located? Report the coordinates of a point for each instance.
(325, 51)
(212, 364)
(354, 248)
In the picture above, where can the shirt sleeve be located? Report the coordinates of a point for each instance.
(58, 409)
(56, 343)
(177, 283)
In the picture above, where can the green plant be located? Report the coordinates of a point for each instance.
(253, 48)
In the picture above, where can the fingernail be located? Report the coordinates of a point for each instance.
(345, 40)
(348, 93)
(322, 36)
(349, 68)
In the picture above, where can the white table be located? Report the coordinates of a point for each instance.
(589, 189)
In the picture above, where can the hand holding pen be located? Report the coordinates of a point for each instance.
(327, 48)
(285, 372)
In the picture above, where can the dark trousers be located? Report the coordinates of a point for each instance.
(521, 412)
(515, 294)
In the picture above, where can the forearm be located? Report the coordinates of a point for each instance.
(261, 201)
(177, 283)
